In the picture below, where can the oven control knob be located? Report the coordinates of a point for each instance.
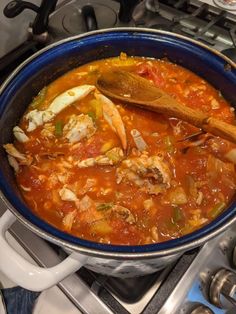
(202, 309)
(222, 289)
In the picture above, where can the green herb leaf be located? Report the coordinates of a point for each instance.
(92, 115)
(113, 155)
(177, 214)
(58, 128)
(104, 206)
(96, 107)
(37, 101)
(168, 141)
(217, 209)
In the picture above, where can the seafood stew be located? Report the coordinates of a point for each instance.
(104, 171)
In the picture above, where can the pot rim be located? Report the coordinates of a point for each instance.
(87, 247)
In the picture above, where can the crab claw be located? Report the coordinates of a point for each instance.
(113, 118)
(69, 97)
(37, 118)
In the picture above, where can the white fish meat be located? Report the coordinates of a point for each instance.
(112, 157)
(150, 173)
(20, 135)
(79, 127)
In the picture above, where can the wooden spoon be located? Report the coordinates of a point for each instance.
(132, 88)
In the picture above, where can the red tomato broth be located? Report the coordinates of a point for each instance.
(157, 217)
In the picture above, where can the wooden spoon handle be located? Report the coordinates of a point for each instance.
(131, 88)
(220, 128)
(169, 106)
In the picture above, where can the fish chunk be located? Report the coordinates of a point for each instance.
(110, 209)
(21, 158)
(79, 127)
(37, 118)
(88, 213)
(89, 185)
(178, 196)
(151, 173)
(99, 160)
(115, 154)
(113, 118)
(11, 150)
(86, 203)
(111, 158)
(20, 135)
(69, 219)
(13, 163)
(124, 212)
(67, 195)
(48, 130)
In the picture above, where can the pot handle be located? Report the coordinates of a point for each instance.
(26, 274)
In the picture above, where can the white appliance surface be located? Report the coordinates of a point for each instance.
(51, 301)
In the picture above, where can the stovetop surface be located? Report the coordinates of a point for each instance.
(177, 289)
(154, 293)
(192, 18)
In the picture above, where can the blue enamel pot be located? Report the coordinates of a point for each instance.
(50, 63)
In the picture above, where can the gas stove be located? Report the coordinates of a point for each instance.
(202, 21)
(202, 280)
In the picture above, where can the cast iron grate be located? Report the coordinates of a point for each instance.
(112, 290)
(197, 20)
(129, 290)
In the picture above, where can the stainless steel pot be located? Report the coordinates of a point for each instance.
(17, 92)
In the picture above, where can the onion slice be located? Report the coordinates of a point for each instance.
(231, 155)
(138, 140)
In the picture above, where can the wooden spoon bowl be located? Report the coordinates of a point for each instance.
(138, 91)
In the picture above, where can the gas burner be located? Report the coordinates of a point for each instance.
(191, 18)
(71, 17)
(78, 17)
(202, 310)
(226, 4)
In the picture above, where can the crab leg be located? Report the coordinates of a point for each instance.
(20, 135)
(113, 118)
(12, 151)
(20, 158)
